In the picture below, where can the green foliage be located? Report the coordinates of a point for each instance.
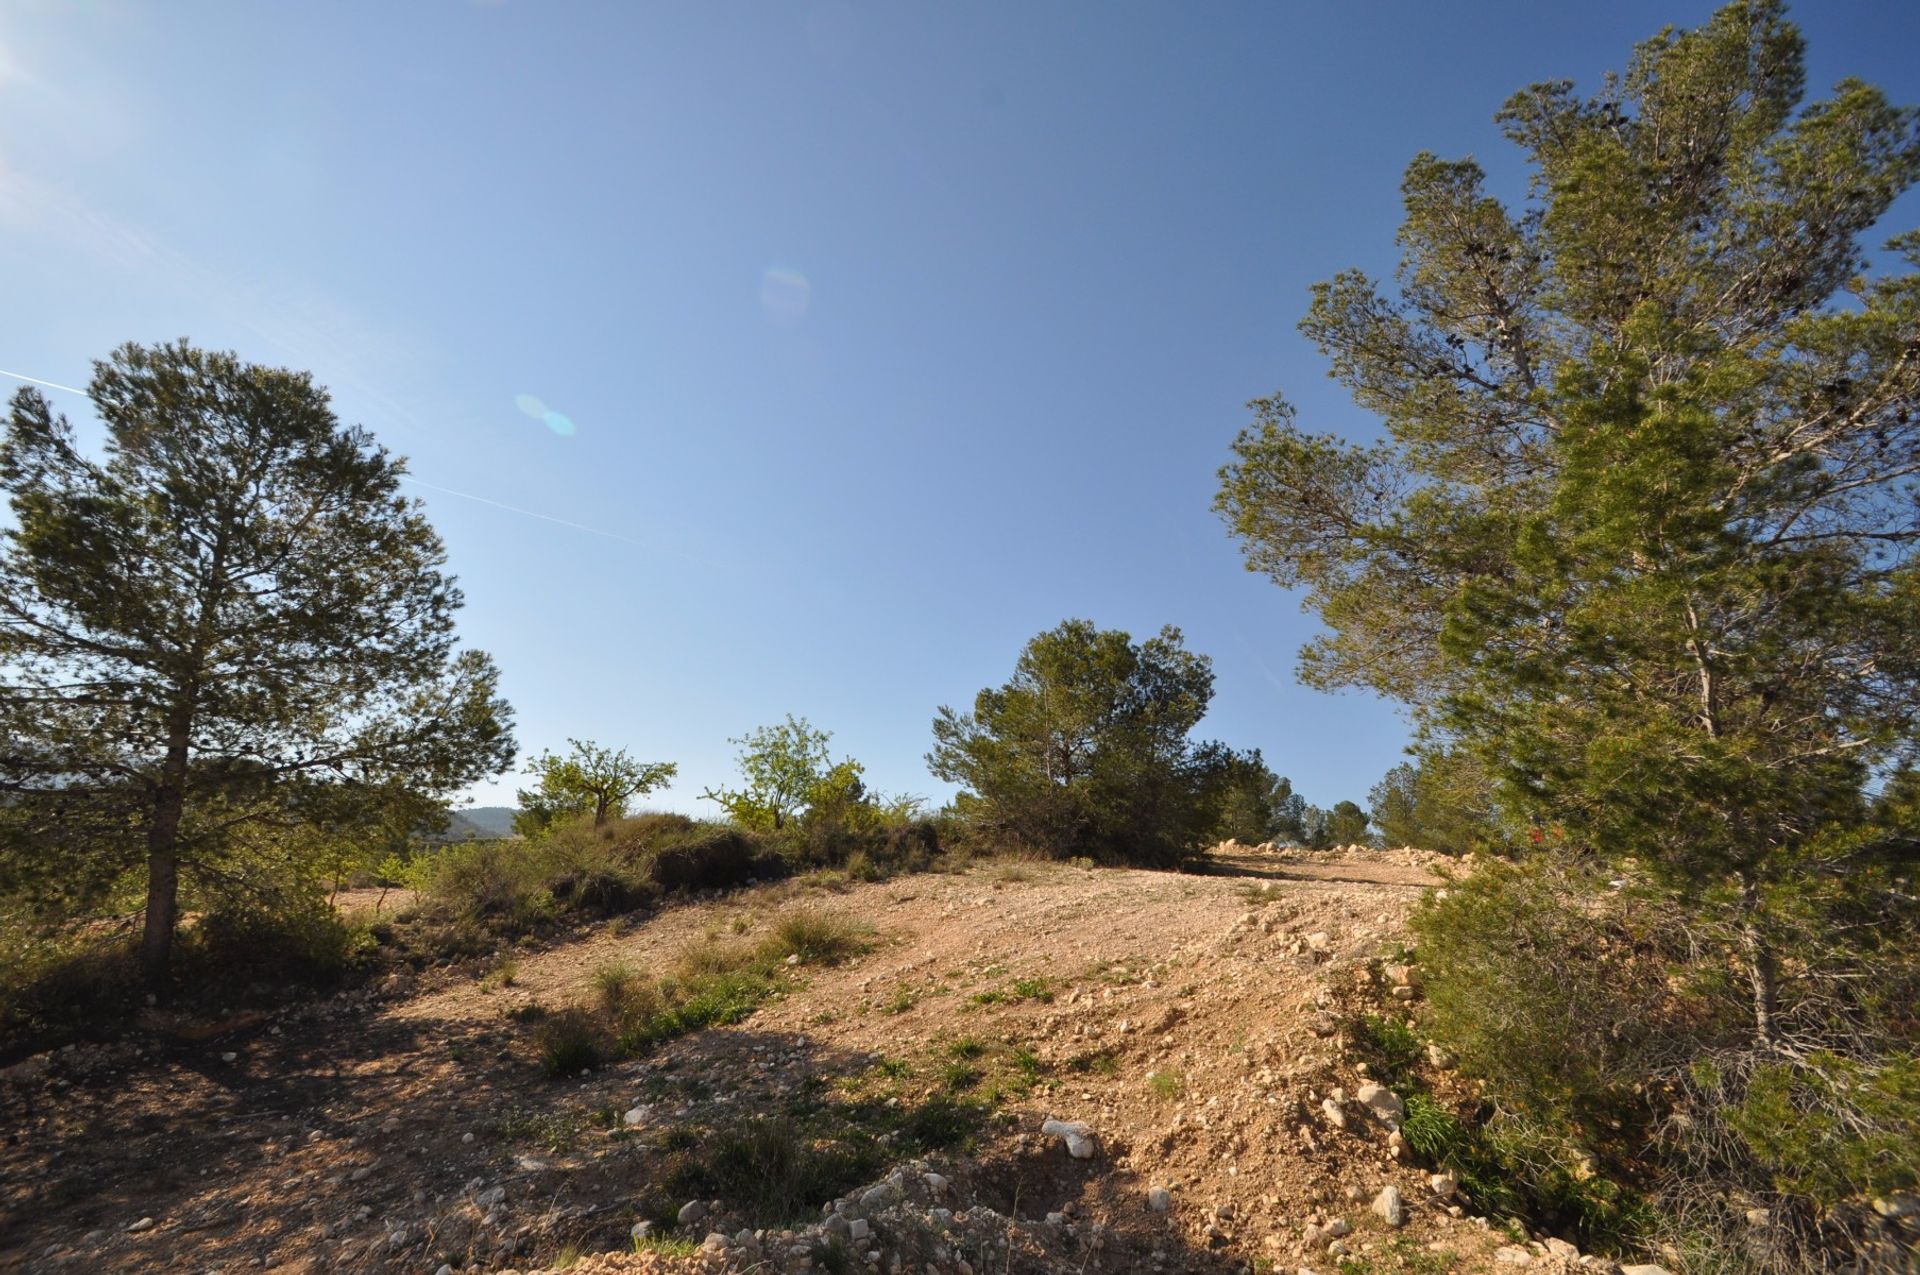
(1443, 802)
(1085, 751)
(782, 767)
(1388, 1046)
(588, 780)
(1639, 542)
(232, 616)
(712, 984)
(1832, 1128)
(585, 869)
(571, 1042)
(1346, 824)
(1555, 1000)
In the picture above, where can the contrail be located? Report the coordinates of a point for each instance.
(418, 482)
(531, 513)
(34, 380)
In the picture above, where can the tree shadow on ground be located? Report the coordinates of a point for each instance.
(359, 1138)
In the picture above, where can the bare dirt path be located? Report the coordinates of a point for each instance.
(1175, 1015)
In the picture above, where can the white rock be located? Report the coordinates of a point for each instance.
(1160, 1200)
(858, 1229)
(1441, 1059)
(1388, 1208)
(1645, 1268)
(1077, 1136)
(634, 1116)
(1444, 1184)
(1382, 1102)
(937, 1183)
(1335, 1116)
(144, 1224)
(692, 1211)
(1508, 1255)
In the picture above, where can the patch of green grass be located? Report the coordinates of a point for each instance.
(903, 1000)
(1388, 1047)
(1100, 1062)
(959, 1076)
(1021, 989)
(713, 984)
(665, 1246)
(893, 1068)
(1168, 1084)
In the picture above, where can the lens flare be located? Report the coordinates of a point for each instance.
(784, 295)
(559, 423)
(531, 405)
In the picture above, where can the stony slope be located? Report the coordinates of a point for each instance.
(1177, 1018)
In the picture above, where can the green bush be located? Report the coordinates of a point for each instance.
(571, 1041)
(300, 941)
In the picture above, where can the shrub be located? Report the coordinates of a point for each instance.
(818, 938)
(487, 880)
(571, 1042)
(295, 941)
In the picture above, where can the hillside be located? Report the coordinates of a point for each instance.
(1190, 1023)
(479, 823)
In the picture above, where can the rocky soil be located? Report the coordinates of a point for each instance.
(1158, 1081)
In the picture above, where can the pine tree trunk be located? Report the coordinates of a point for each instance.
(163, 890)
(163, 860)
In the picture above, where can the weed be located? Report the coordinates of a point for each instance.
(571, 1042)
(959, 1076)
(504, 972)
(966, 1047)
(819, 938)
(1101, 1062)
(1167, 1084)
(903, 999)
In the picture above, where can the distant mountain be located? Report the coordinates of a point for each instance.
(480, 823)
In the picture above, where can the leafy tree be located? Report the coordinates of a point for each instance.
(1086, 750)
(1640, 535)
(222, 620)
(783, 766)
(588, 778)
(1346, 824)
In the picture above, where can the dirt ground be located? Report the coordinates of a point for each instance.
(396, 1127)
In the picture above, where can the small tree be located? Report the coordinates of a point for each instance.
(232, 611)
(1086, 750)
(587, 778)
(782, 766)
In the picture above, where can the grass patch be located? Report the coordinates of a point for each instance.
(1168, 1084)
(713, 984)
(1098, 1062)
(781, 1169)
(1021, 989)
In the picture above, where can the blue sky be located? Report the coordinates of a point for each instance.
(887, 335)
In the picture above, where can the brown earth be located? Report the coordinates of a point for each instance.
(394, 1128)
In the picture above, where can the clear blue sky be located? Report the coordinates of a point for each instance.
(888, 335)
